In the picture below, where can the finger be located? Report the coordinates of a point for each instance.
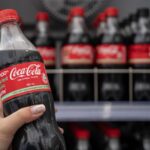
(23, 116)
(61, 130)
(1, 109)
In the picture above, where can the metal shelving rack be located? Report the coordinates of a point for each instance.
(101, 111)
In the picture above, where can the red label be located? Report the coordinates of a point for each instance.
(77, 54)
(22, 79)
(139, 53)
(48, 55)
(111, 54)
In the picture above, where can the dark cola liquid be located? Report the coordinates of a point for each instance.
(113, 86)
(78, 86)
(141, 84)
(42, 134)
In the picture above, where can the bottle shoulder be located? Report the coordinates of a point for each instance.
(112, 38)
(142, 38)
(43, 41)
(77, 38)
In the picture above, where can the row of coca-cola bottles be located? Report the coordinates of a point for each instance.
(107, 136)
(116, 45)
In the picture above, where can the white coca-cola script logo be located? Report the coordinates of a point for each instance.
(46, 52)
(75, 50)
(31, 70)
(109, 50)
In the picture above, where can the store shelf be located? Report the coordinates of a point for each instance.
(99, 71)
(103, 112)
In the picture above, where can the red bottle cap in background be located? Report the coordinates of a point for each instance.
(42, 16)
(112, 11)
(82, 134)
(100, 18)
(113, 133)
(76, 11)
(8, 15)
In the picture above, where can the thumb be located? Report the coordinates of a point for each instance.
(1, 110)
(25, 115)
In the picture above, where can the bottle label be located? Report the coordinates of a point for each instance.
(111, 54)
(48, 55)
(77, 54)
(22, 79)
(139, 54)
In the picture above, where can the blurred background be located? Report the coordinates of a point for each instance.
(97, 55)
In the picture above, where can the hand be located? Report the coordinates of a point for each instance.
(10, 124)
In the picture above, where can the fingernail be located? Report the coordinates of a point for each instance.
(61, 130)
(38, 109)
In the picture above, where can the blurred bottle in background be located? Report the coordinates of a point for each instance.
(100, 25)
(139, 57)
(111, 54)
(77, 53)
(45, 44)
(82, 139)
(134, 26)
(113, 139)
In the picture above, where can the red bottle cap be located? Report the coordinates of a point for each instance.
(8, 15)
(101, 17)
(76, 11)
(113, 133)
(82, 134)
(112, 11)
(42, 16)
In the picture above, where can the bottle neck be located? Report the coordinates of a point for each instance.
(123, 30)
(128, 29)
(43, 28)
(101, 28)
(113, 144)
(112, 25)
(77, 25)
(12, 38)
(143, 24)
(134, 27)
(82, 144)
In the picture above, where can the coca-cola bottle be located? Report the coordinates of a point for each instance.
(111, 54)
(100, 24)
(82, 139)
(77, 53)
(113, 139)
(24, 82)
(46, 46)
(139, 57)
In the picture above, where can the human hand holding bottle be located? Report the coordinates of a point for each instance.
(10, 124)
